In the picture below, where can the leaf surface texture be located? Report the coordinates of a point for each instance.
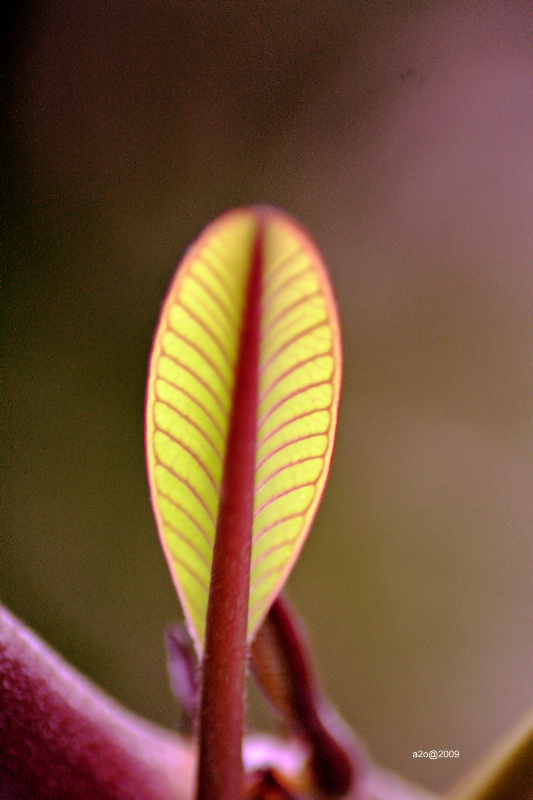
(190, 401)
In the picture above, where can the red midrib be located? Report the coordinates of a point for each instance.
(220, 772)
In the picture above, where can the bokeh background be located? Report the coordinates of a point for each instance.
(401, 134)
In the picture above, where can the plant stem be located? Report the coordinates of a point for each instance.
(220, 769)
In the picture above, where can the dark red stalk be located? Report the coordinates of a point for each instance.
(283, 667)
(220, 770)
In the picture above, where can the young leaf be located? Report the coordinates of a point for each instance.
(252, 291)
(283, 668)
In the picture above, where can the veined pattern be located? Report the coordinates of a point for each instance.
(190, 396)
(189, 400)
(299, 393)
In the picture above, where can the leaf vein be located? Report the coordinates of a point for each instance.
(189, 542)
(275, 547)
(259, 535)
(213, 296)
(197, 377)
(188, 419)
(195, 493)
(277, 496)
(198, 525)
(264, 575)
(281, 287)
(292, 340)
(287, 310)
(283, 468)
(219, 275)
(281, 447)
(288, 397)
(204, 356)
(201, 463)
(192, 572)
(210, 333)
(280, 266)
(290, 421)
(266, 391)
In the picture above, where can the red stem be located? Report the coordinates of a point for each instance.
(220, 770)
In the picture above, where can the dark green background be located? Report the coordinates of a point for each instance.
(400, 134)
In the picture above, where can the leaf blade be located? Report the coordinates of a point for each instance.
(188, 401)
(190, 396)
(300, 377)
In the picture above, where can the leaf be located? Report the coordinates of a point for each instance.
(247, 256)
(281, 663)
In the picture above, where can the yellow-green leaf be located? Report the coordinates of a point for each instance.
(191, 400)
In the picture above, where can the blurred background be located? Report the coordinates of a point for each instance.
(401, 134)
